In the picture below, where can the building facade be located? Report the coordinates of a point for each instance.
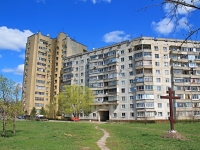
(43, 63)
(128, 78)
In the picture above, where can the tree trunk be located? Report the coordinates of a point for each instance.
(4, 125)
(14, 124)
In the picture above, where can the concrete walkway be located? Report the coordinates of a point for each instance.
(102, 142)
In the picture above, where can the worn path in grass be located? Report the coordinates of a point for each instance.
(102, 142)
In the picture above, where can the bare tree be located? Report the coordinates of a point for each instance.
(174, 9)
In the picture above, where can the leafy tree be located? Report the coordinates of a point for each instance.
(33, 112)
(75, 99)
(6, 97)
(42, 111)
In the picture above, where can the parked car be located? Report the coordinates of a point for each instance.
(20, 117)
(41, 118)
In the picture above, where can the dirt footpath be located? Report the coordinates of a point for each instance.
(102, 142)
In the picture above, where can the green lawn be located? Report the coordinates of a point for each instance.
(38, 135)
(148, 137)
(33, 135)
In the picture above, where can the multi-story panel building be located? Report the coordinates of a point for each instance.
(43, 63)
(128, 78)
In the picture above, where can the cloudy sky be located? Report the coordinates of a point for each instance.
(95, 23)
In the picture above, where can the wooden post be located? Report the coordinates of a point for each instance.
(171, 97)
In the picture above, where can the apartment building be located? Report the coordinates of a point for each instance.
(42, 66)
(128, 78)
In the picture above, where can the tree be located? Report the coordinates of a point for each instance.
(51, 109)
(42, 111)
(174, 9)
(6, 96)
(33, 112)
(75, 99)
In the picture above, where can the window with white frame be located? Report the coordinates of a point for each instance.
(123, 115)
(158, 88)
(158, 80)
(157, 71)
(165, 64)
(167, 80)
(131, 97)
(159, 105)
(123, 98)
(123, 106)
(165, 56)
(122, 51)
(156, 55)
(122, 59)
(123, 82)
(165, 49)
(114, 115)
(157, 63)
(166, 72)
(156, 48)
(160, 114)
(131, 105)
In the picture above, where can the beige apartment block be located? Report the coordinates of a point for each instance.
(42, 67)
(128, 78)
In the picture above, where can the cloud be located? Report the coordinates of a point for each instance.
(115, 36)
(38, 1)
(165, 26)
(177, 23)
(22, 56)
(19, 70)
(95, 1)
(13, 39)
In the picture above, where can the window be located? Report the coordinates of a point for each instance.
(122, 74)
(131, 73)
(158, 96)
(114, 107)
(123, 106)
(81, 73)
(123, 115)
(157, 71)
(131, 114)
(131, 81)
(122, 59)
(130, 65)
(165, 56)
(130, 57)
(122, 51)
(114, 115)
(123, 98)
(156, 55)
(167, 80)
(165, 49)
(159, 105)
(166, 72)
(131, 89)
(157, 63)
(131, 106)
(156, 48)
(123, 82)
(82, 61)
(159, 114)
(123, 90)
(157, 79)
(158, 88)
(76, 62)
(122, 66)
(131, 97)
(165, 64)
(167, 104)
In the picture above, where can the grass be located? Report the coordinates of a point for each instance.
(33, 135)
(148, 137)
(38, 135)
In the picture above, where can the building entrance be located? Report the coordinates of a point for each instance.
(104, 115)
